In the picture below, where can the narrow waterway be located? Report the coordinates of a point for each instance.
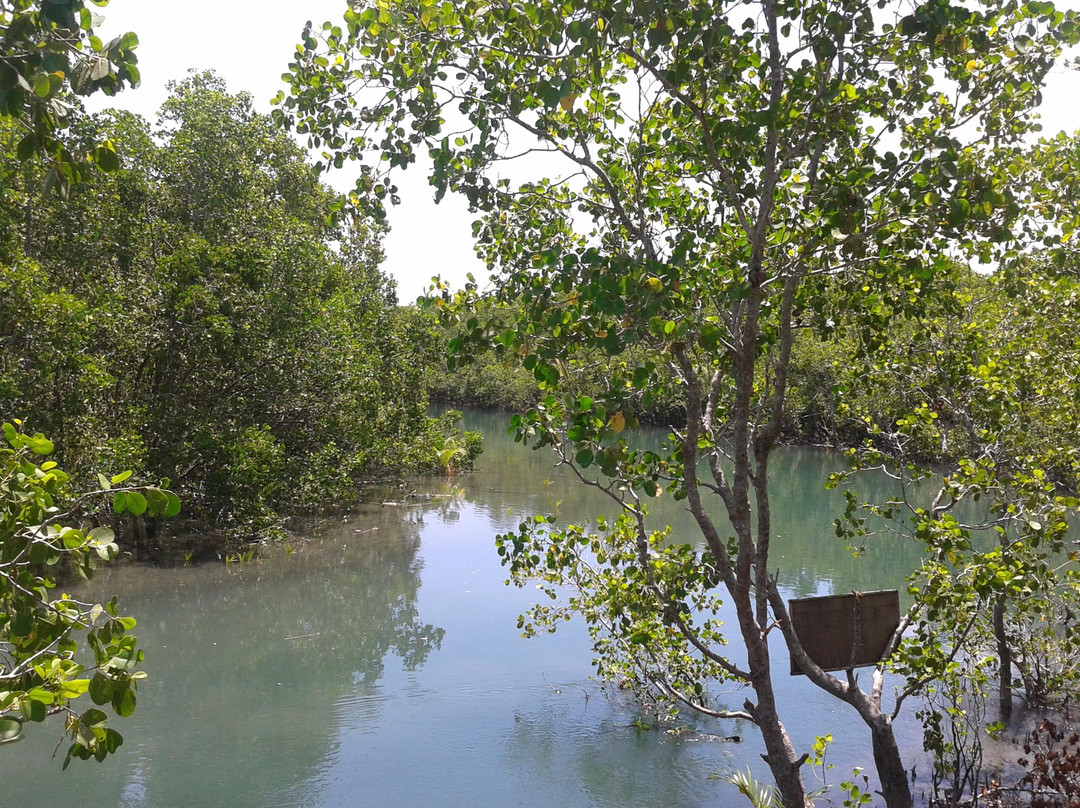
(380, 665)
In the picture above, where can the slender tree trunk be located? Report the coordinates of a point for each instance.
(892, 775)
(891, 772)
(780, 754)
(1005, 700)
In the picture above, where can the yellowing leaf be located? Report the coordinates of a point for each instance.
(567, 102)
(618, 422)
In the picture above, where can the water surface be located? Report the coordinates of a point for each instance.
(380, 665)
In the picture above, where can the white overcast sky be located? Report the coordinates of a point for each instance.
(250, 42)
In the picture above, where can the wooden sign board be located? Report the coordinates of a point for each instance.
(826, 628)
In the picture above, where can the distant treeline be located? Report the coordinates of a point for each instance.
(844, 393)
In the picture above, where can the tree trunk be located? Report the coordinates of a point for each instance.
(784, 764)
(1005, 699)
(890, 766)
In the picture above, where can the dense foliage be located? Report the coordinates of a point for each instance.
(194, 317)
(500, 382)
(49, 51)
(717, 179)
(43, 527)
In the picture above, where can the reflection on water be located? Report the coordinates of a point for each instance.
(380, 665)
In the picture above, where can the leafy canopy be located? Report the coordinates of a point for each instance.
(48, 50)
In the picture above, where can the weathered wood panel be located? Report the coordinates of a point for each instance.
(827, 627)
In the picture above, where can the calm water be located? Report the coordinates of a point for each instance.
(380, 665)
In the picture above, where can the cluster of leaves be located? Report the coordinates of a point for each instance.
(634, 611)
(48, 51)
(42, 528)
(980, 398)
(494, 381)
(195, 317)
(978, 436)
(1054, 766)
(837, 395)
(954, 727)
(1052, 777)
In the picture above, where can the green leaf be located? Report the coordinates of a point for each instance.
(39, 444)
(105, 157)
(113, 740)
(124, 701)
(121, 477)
(107, 552)
(174, 504)
(157, 501)
(73, 688)
(27, 147)
(101, 688)
(42, 695)
(35, 711)
(136, 503)
(42, 85)
(73, 539)
(10, 728)
(93, 718)
(101, 535)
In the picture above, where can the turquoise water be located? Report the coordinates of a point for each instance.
(379, 664)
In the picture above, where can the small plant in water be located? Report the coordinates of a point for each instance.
(240, 557)
(760, 795)
(450, 454)
(853, 795)
(455, 450)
